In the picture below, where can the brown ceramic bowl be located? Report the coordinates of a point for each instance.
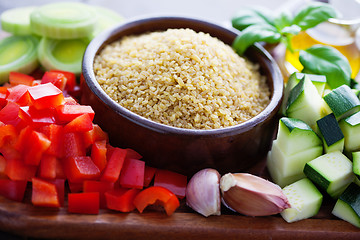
(186, 151)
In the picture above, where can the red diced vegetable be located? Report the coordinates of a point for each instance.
(46, 96)
(148, 175)
(114, 165)
(2, 167)
(159, 195)
(55, 134)
(121, 199)
(10, 114)
(18, 94)
(173, 181)
(16, 78)
(133, 154)
(16, 169)
(67, 113)
(80, 168)
(98, 154)
(60, 188)
(58, 79)
(70, 101)
(8, 135)
(82, 123)
(132, 174)
(73, 145)
(37, 144)
(37, 118)
(75, 187)
(47, 167)
(44, 193)
(13, 190)
(85, 203)
(100, 187)
(96, 134)
(70, 79)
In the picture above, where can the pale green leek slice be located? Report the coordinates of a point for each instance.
(17, 20)
(63, 55)
(63, 20)
(18, 53)
(107, 18)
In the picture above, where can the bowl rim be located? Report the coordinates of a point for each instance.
(89, 76)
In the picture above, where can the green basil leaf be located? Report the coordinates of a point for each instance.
(293, 29)
(328, 61)
(255, 33)
(283, 20)
(251, 16)
(313, 14)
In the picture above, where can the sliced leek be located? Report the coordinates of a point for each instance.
(107, 18)
(18, 53)
(17, 20)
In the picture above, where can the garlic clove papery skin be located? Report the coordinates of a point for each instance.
(203, 192)
(252, 195)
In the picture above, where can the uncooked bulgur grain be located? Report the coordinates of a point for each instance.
(182, 78)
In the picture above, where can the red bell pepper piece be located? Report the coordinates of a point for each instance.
(2, 167)
(70, 101)
(44, 193)
(98, 154)
(16, 78)
(13, 190)
(73, 145)
(67, 113)
(58, 79)
(60, 188)
(159, 195)
(47, 167)
(8, 135)
(70, 79)
(82, 123)
(55, 134)
(37, 118)
(132, 174)
(16, 169)
(85, 203)
(173, 181)
(100, 187)
(46, 96)
(131, 153)
(148, 175)
(80, 168)
(3, 96)
(114, 165)
(96, 134)
(76, 187)
(121, 199)
(10, 114)
(18, 94)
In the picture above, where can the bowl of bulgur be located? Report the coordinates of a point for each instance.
(173, 89)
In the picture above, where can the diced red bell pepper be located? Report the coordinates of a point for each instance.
(60, 188)
(76, 187)
(157, 195)
(13, 190)
(121, 199)
(55, 134)
(67, 113)
(70, 101)
(58, 79)
(114, 165)
(100, 187)
(173, 181)
(18, 94)
(70, 79)
(47, 167)
(37, 118)
(46, 96)
(10, 114)
(148, 175)
(82, 123)
(131, 153)
(3, 96)
(85, 203)
(73, 145)
(16, 169)
(81, 168)
(60, 174)
(16, 78)
(44, 193)
(98, 154)
(132, 174)
(8, 135)
(96, 134)
(2, 167)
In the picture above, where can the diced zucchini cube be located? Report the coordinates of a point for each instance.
(342, 101)
(347, 207)
(331, 133)
(332, 172)
(304, 198)
(356, 163)
(350, 127)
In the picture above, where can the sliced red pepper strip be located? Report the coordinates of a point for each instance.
(85, 203)
(159, 195)
(173, 181)
(98, 154)
(148, 175)
(100, 187)
(44, 193)
(114, 165)
(132, 174)
(121, 199)
(82, 123)
(13, 190)
(45, 96)
(16, 78)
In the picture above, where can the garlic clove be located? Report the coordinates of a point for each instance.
(203, 192)
(252, 195)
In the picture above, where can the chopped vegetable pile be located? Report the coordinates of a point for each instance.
(48, 139)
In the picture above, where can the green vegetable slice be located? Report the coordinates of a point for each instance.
(17, 20)
(106, 19)
(63, 55)
(18, 53)
(63, 20)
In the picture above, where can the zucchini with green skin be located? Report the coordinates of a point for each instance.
(347, 207)
(350, 127)
(304, 198)
(356, 163)
(332, 172)
(342, 101)
(331, 133)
